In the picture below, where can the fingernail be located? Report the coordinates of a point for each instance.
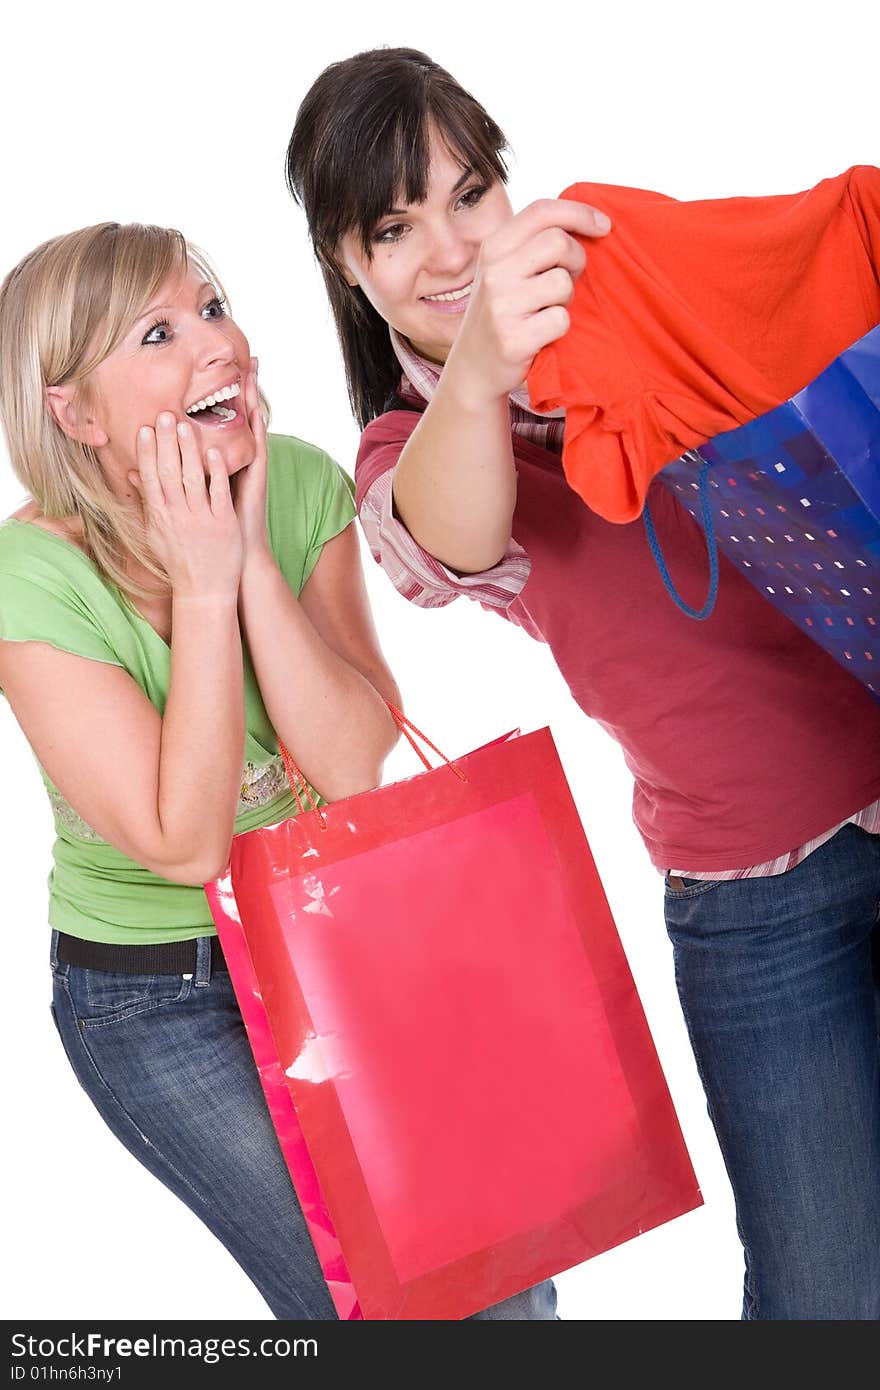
(603, 222)
(256, 365)
(166, 419)
(182, 429)
(213, 455)
(144, 432)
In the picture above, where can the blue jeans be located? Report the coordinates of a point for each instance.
(778, 981)
(166, 1061)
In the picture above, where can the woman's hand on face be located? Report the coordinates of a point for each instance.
(525, 277)
(191, 524)
(249, 484)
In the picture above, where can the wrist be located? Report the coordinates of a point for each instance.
(259, 561)
(204, 602)
(466, 384)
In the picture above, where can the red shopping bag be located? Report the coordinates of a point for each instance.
(471, 1097)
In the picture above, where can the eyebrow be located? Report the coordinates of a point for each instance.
(161, 308)
(399, 212)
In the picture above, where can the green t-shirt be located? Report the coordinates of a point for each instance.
(51, 592)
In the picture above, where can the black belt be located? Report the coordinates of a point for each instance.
(167, 958)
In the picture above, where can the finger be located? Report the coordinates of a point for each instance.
(218, 483)
(554, 286)
(251, 389)
(168, 462)
(258, 429)
(251, 398)
(145, 452)
(546, 326)
(549, 248)
(580, 219)
(192, 470)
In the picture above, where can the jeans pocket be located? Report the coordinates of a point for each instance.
(106, 996)
(690, 887)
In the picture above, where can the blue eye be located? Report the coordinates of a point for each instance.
(160, 332)
(161, 325)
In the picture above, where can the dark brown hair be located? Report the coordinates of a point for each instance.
(361, 142)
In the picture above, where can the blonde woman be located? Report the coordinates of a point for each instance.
(179, 592)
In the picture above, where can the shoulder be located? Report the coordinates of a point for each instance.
(393, 424)
(26, 550)
(309, 500)
(297, 466)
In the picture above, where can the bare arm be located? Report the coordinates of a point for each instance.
(455, 483)
(321, 672)
(317, 659)
(163, 791)
(162, 788)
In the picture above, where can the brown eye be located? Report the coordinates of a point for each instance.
(472, 196)
(390, 234)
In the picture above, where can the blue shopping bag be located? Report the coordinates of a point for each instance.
(793, 499)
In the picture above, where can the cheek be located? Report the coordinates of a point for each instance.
(241, 347)
(495, 212)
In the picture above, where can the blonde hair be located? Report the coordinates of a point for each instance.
(63, 310)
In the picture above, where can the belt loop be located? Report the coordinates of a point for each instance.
(53, 951)
(203, 962)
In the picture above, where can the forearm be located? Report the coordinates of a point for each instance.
(334, 722)
(455, 482)
(202, 741)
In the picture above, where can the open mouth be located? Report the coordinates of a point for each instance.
(223, 407)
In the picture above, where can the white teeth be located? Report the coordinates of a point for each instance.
(226, 394)
(452, 295)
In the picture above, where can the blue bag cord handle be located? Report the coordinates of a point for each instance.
(700, 614)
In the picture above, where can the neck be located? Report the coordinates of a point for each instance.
(436, 355)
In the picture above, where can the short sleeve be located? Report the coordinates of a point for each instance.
(43, 606)
(310, 500)
(333, 509)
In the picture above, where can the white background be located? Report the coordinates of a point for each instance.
(179, 114)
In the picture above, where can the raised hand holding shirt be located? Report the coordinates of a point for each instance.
(693, 318)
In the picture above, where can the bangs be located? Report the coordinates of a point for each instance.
(398, 169)
(375, 149)
(122, 269)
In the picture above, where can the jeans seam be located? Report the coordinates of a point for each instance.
(749, 1263)
(117, 1104)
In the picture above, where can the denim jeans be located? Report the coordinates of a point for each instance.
(778, 981)
(166, 1061)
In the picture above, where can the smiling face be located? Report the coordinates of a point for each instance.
(424, 255)
(184, 354)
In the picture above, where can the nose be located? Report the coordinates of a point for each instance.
(450, 250)
(212, 344)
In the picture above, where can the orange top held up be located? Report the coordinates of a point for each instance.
(693, 318)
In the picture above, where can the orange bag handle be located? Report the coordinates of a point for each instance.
(302, 791)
